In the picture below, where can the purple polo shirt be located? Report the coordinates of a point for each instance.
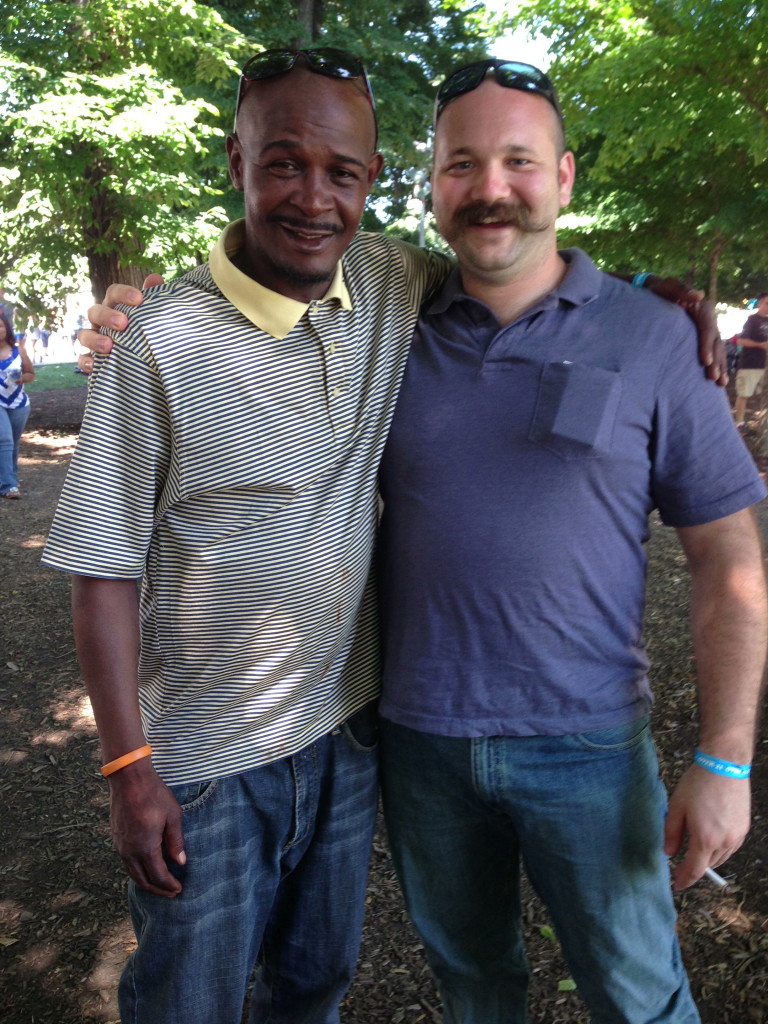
(521, 467)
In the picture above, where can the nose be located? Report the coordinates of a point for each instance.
(313, 195)
(490, 183)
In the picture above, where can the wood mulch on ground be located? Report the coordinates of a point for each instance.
(64, 933)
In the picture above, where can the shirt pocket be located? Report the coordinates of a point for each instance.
(576, 407)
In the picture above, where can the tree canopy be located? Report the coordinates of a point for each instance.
(667, 107)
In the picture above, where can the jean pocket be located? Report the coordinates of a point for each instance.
(576, 408)
(620, 737)
(362, 728)
(191, 795)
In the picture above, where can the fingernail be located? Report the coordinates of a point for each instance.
(182, 858)
(135, 296)
(116, 321)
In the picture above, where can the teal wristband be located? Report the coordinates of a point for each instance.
(638, 281)
(718, 767)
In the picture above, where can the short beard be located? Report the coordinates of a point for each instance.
(300, 277)
(514, 214)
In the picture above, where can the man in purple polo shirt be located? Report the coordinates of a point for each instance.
(546, 409)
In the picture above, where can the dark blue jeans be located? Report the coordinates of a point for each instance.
(277, 861)
(585, 813)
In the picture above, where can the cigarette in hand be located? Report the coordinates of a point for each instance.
(716, 879)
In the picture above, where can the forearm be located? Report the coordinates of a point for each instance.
(709, 811)
(105, 615)
(146, 819)
(27, 367)
(729, 619)
(750, 343)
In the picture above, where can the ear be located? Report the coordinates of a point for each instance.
(375, 165)
(236, 160)
(566, 176)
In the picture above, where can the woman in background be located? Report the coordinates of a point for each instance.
(16, 370)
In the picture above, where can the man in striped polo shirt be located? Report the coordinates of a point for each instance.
(228, 460)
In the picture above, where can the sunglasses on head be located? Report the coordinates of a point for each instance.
(509, 73)
(323, 61)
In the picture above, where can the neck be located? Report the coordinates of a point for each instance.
(508, 296)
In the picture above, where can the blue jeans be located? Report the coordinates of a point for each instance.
(277, 862)
(12, 423)
(585, 813)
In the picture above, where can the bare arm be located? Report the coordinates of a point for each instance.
(27, 366)
(750, 343)
(146, 819)
(729, 615)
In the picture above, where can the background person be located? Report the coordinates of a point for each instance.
(16, 370)
(751, 372)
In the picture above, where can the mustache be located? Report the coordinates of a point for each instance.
(503, 213)
(305, 225)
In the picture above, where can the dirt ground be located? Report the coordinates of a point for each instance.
(63, 929)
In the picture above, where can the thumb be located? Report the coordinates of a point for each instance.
(174, 841)
(151, 280)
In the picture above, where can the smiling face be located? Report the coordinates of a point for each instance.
(303, 158)
(499, 181)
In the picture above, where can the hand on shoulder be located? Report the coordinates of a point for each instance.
(104, 315)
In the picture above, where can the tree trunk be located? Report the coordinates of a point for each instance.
(111, 263)
(309, 15)
(105, 269)
(714, 263)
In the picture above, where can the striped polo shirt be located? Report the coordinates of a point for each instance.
(228, 458)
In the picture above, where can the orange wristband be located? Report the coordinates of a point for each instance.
(121, 762)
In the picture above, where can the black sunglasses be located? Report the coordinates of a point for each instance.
(509, 73)
(323, 61)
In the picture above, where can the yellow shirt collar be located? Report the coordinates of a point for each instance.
(274, 313)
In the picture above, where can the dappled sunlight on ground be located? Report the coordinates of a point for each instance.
(35, 540)
(115, 944)
(73, 710)
(13, 756)
(38, 958)
(735, 918)
(58, 444)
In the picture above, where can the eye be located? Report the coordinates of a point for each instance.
(459, 166)
(522, 161)
(345, 175)
(283, 168)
